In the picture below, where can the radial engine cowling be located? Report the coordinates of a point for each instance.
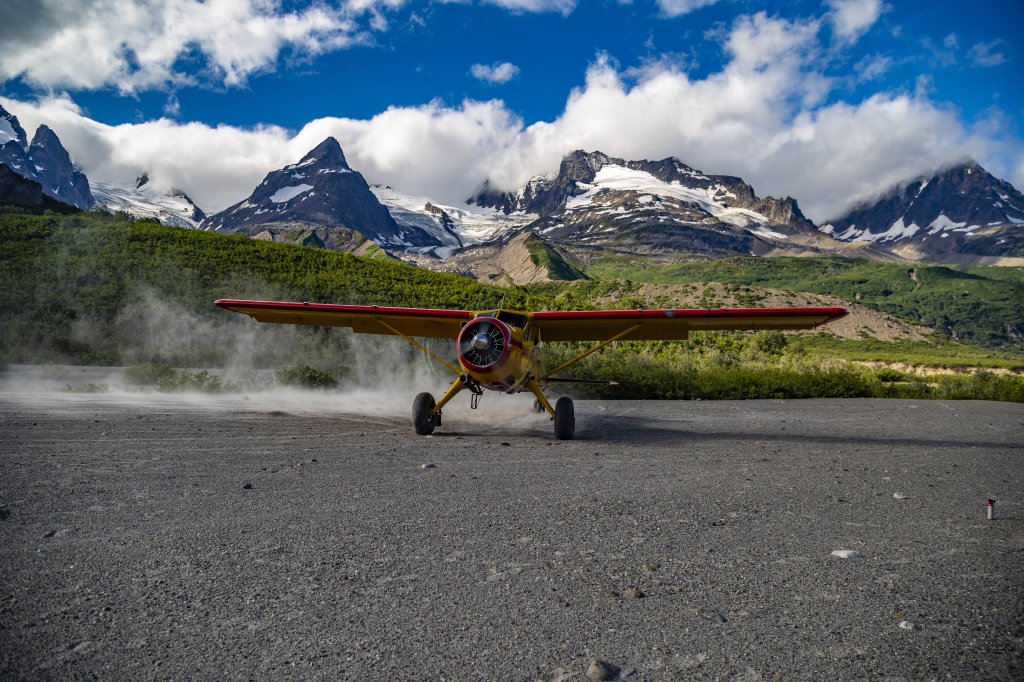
(484, 344)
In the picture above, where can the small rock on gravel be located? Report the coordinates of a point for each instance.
(247, 485)
(900, 496)
(429, 466)
(848, 554)
(907, 625)
(635, 592)
(602, 670)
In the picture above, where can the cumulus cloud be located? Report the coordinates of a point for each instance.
(768, 116)
(677, 8)
(852, 18)
(134, 45)
(495, 73)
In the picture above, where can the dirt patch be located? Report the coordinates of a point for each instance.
(860, 323)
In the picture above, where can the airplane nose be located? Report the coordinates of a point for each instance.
(480, 342)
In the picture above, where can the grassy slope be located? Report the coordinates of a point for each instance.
(981, 305)
(65, 283)
(92, 288)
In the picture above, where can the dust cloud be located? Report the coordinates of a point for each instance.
(377, 375)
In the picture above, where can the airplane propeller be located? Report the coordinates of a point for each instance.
(482, 343)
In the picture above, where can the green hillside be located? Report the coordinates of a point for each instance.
(99, 289)
(976, 304)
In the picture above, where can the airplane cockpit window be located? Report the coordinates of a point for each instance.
(513, 319)
(508, 318)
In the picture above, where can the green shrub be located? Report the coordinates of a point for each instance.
(147, 373)
(306, 377)
(186, 380)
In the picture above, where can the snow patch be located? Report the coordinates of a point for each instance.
(763, 231)
(6, 131)
(943, 223)
(467, 227)
(170, 209)
(289, 193)
(620, 178)
(898, 231)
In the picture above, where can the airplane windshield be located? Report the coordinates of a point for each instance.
(513, 319)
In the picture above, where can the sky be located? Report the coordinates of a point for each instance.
(830, 102)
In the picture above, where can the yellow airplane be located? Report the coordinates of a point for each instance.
(500, 350)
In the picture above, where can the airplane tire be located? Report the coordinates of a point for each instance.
(565, 419)
(422, 418)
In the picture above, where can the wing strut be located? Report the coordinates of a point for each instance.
(596, 348)
(423, 348)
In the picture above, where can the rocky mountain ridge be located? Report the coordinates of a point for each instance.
(320, 191)
(664, 207)
(951, 215)
(44, 160)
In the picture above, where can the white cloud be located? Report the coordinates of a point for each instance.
(987, 54)
(136, 45)
(564, 7)
(852, 18)
(495, 73)
(677, 8)
(766, 117)
(872, 67)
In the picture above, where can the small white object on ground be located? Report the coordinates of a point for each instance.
(429, 466)
(907, 625)
(848, 554)
(900, 496)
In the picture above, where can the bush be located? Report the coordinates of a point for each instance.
(201, 381)
(307, 377)
(147, 373)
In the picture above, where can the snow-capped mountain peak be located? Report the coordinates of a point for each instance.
(599, 201)
(44, 160)
(143, 200)
(947, 215)
(321, 192)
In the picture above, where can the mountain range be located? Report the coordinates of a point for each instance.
(593, 205)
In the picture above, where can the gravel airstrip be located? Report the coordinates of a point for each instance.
(315, 536)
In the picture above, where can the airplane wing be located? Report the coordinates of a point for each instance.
(362, 319)
(666, 325)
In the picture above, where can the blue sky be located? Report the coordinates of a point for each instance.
(501, 88)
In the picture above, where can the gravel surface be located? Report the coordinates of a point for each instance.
(671, 539)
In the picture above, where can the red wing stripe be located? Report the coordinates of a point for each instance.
(233, 304)
(559, 316)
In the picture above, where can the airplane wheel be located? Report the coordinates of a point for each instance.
(422, 418)
(565, 419)
(537, 407)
